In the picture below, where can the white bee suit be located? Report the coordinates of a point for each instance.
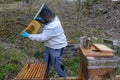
(52, 35)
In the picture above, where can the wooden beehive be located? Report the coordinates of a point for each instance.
(33, 27)
(100, 71)
(102, 74)
(33, 72)
(97, 65)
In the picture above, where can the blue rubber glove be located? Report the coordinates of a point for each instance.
(25, 34)
(38, 18)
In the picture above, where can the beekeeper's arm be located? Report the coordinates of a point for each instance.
(44, 36)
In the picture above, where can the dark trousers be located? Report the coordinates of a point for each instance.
(54, 57)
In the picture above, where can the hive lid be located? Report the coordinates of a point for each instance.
(103, 48)
(95, 52)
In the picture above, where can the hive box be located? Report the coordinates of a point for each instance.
(97, 65)
(36, 71)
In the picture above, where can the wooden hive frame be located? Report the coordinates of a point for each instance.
(33, 27)
(33, 72)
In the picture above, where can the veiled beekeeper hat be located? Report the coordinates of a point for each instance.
(42, 13)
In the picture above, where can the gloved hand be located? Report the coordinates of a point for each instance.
(25, 34)
(38, 19)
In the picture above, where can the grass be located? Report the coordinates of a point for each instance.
(72, 66)
(11, 61)
(118, 53)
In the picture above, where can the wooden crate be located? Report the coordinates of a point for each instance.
(102, 74)
(33, 72)
(99, 74)
(97, 65)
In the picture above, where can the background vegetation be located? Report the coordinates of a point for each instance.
(95, 18)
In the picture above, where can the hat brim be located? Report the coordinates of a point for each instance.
(40, 9)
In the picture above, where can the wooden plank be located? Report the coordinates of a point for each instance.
(103, 48)
(117, 77)
(45, 72)
(29, 72)
(41, 72)
(35, 71)
(82, 76)
(68, 78)
(23, 71)
(103, 73)
(94, 52)
(39, 69)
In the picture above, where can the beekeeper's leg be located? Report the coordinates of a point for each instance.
(47, 59)
(56, 56)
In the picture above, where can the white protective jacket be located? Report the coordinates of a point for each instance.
(52, 34)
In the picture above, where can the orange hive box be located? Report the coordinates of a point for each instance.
(33, 72)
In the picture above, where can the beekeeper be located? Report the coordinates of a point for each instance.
(54, 38)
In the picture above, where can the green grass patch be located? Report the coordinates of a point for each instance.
(72, 66)
(11, 61)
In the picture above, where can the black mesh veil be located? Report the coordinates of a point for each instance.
(43, 12)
